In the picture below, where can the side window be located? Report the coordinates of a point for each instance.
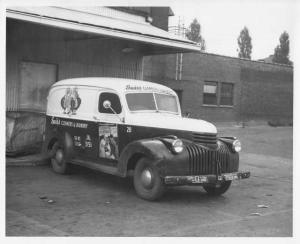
(114, 100)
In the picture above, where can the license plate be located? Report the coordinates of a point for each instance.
(199, 179)
(230, 177)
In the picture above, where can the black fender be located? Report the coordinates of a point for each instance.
(228, 140)
(235, 156)
(55, 140)
(153, 148)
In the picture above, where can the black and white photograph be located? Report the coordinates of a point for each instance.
(150, 119)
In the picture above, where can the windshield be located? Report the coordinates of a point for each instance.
(152, 101)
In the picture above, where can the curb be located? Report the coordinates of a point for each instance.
(30, 160)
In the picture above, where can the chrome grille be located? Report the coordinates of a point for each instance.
(209, 139)
(204, 161)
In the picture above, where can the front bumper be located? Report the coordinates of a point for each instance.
(205, 179)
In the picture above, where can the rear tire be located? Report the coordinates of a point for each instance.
(147, 182)
(58, 161)
(217, 189)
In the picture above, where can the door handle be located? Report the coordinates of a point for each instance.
(96, 118)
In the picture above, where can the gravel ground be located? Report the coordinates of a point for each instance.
(89, 203)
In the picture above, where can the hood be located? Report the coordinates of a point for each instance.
(170, 121)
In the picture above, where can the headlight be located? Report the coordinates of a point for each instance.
(236, 146)
(177, 146)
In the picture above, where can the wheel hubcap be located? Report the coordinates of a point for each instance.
(147, 178)
(59, 156)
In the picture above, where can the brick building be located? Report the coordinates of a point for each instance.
(225, 89)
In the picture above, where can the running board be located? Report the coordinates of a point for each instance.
(96, 166)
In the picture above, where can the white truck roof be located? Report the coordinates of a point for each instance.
(89, 95)
(118, 84)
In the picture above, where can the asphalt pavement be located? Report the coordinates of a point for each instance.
(87, 203)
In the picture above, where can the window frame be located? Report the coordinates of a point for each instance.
(140, 111)
(112, 92)
(218, 94)
(232, 97)
(154, 111)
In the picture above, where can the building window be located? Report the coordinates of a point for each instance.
(210, 94)
(226, 97)
(218, 93)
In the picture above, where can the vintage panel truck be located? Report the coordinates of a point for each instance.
(135, 128)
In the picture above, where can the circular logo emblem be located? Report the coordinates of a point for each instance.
(71, 101)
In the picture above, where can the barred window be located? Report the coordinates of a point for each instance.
(210, 94)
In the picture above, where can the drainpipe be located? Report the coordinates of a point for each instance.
(176, 72)
(180, 66)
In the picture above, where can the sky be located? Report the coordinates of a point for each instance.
(222, 20)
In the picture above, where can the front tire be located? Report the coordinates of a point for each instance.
(217, 189)
(147, 182)
(58, 161)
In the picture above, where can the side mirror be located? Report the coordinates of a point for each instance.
(107, 104)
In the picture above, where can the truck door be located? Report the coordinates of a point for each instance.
(110, 117)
